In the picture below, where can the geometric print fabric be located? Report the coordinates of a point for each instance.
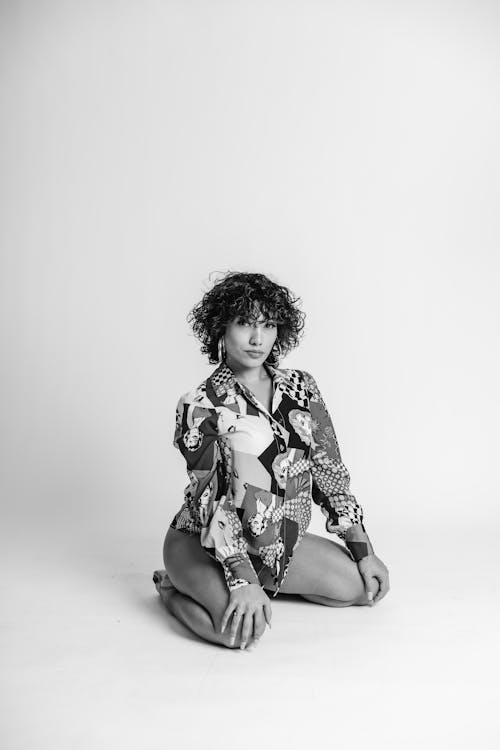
(254, 473)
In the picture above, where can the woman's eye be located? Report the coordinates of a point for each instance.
(242, 322)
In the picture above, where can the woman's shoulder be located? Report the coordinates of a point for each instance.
(295, 373)
(197, 396)
(303, 384)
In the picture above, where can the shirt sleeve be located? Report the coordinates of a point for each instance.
(331, 480)
(208, 462)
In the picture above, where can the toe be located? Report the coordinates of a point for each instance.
(161, 580)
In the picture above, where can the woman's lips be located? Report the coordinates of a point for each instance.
(254, 353)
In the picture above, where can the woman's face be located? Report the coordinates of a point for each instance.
(248, 344)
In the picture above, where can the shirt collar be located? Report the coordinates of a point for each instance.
(225, 383)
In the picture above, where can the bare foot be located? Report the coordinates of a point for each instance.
(162, 581)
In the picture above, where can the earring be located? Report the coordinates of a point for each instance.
(221, 349)
(277, 353)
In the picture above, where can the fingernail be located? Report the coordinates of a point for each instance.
(370, 596)
(243, 645)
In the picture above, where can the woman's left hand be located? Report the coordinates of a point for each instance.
(373, 572)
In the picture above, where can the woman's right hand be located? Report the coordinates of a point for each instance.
(251, 606)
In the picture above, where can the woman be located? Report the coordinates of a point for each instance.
(259, 445)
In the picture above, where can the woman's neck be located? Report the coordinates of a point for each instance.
(249, 375)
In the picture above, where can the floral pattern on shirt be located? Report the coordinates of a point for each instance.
(253, 473)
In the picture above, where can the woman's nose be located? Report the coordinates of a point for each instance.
(255, 338)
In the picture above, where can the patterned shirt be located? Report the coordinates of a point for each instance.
(253, 473)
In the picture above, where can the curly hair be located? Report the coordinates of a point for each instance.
(245, 295)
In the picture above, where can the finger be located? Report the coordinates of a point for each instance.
(246, 629)
(230, 610)
(268, 613)
(365, 580)
(368, 588)
(384, 588)
(225, 617)
(259, 624)
(259, 627)
(237, 615)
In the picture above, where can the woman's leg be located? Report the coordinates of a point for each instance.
(186, 610)
(198, 594)
(323, 572)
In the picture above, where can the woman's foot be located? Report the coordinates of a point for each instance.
(162, 581)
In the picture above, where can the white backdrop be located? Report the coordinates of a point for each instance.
(349, 150)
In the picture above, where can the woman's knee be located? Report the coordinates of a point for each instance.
(359, 592)
(201, 621)
(352, 596)
(197, 576)
(347, 585)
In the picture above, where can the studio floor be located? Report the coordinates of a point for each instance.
(92, 659)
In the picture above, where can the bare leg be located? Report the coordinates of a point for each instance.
(192, 615)
(196, 591)
(186, 610)
(331, 602)
(323, 572)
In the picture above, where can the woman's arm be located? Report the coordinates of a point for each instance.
(208, 458)
(331, 491)
(331, 480)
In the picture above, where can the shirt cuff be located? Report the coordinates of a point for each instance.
(239, 571)
(358, 543)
